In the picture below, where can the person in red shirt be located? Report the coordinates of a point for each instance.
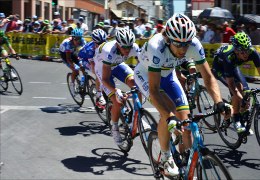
(228, 33)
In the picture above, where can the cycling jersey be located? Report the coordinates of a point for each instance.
(225, 64)
(109, 54)
(157, 57)
(67, 46)
(86, 54)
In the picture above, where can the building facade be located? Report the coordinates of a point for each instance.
(91, 10)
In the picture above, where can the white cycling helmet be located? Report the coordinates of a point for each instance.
(99, 36)
(125, 37)
(180, 28)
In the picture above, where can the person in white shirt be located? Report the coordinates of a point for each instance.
(83, 26)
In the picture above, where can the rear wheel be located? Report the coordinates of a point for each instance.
(4, 82)
(91, 88)
(14, 77)
(257, 124)
(146, 124)
(76, 92)
(211, 167)
(205, 104)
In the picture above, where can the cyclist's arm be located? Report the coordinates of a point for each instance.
(209, 81)
(233, 88)
(69, 60)
(155, 95)
(11, 48)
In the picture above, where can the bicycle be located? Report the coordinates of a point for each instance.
(84, 84)
(202, 163)
(199, 97)
(143, 121)
(10, 74)
(226, 129)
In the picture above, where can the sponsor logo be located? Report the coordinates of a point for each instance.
(202, 53)
(109, 57)
(156, 60)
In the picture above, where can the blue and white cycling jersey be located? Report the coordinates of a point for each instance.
(86, 54)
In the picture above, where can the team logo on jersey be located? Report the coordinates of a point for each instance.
(109, 57)
(202, 53)
(156, 60)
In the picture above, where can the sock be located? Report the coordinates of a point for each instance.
(99, 93)
(165, 155)
(114, 126)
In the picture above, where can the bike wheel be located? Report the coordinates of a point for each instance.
(257, 124)
(154, 154)
(146, 124)
(4, 83)
(91, 89)
(211, 167)
(205, 104)
(227, 131)
(16, 80)
(76, 92)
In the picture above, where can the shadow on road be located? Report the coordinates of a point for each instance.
(107, 159)
(85, 128)
(68, 108)
(234, 157)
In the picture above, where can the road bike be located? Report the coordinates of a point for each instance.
(84, 84)
(198, 97)
(202, 163)
(10, 74)
(134, 121)
(227, 130)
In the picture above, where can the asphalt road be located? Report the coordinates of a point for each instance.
(44, 135)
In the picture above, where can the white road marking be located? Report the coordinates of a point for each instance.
(49, 98)
(3, 110)
(40, 82)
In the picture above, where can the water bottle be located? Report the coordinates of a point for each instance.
(82, 80)
(192, 89)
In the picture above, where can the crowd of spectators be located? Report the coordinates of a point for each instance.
(208, 31)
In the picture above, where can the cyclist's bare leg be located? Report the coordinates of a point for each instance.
(236, 102)
(130, 82)
(116, 108)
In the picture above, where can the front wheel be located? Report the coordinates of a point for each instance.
(257, 124)
(16, 80)
(76, 91)
(4, 82)
(211, 167)
(205, 104)
(146, 124)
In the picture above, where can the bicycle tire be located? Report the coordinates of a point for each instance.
(205, 104)
(257, 124)
(90, 84)
(151, 125)
(4, 83)
(212, 166)
(154, 154)
(77, 96)
(228, 134)
(16, 82)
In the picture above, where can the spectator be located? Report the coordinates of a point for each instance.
(19, 26)
(228, 33)
(56, 29)
(12, 24)
(159, 28)
(27, 26)
(56, 15)
(36, 27)
(254, 34)
(140, 27)
(149, 32)
(107, 26)
(34, 18)
(83, 26)
(113, 30)
(209, 34)
(132, 28)
(217, 38)
(240, 28)
(3, 22)
(46, 27)
(121, 24)
(64, 27)
(71, 23)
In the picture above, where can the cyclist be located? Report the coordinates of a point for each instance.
(226, 69)
(69, 52)
(87, 53)
(156, 77)
(4, 41)
(109, 61)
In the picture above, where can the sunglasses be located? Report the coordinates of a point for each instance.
(77, 38)
(126, 47)
(180, 44)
